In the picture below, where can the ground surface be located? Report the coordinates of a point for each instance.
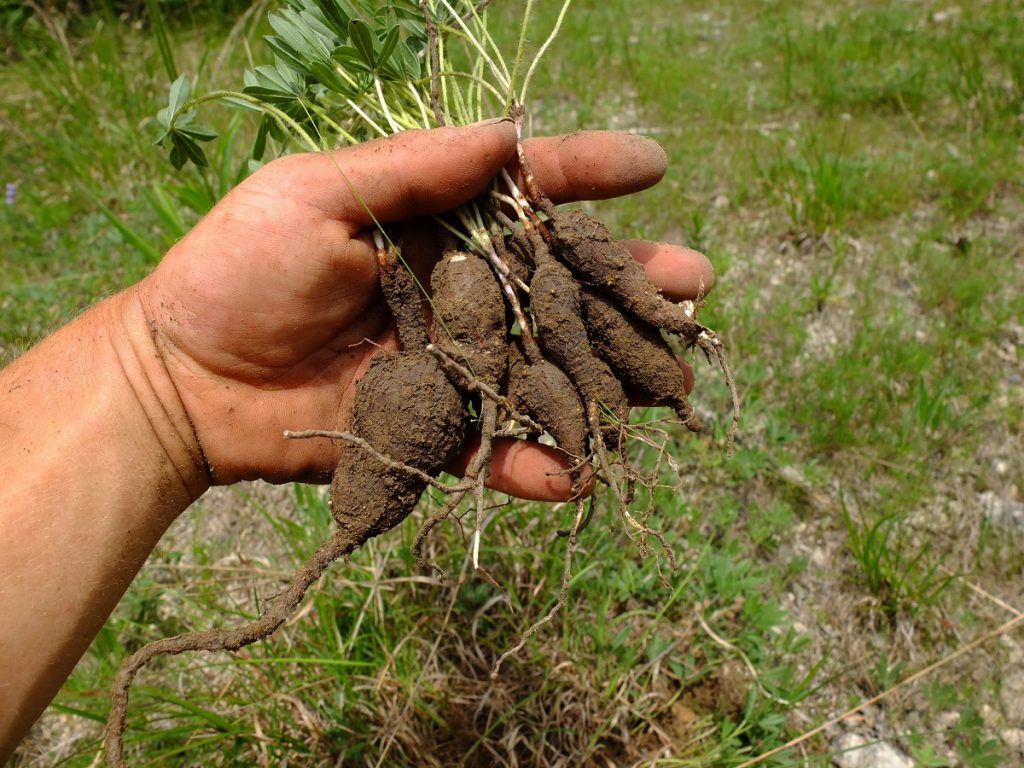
(853, 171)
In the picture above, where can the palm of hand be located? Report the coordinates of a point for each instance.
(269, 310)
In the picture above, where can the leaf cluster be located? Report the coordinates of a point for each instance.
(328, 56)
(177, 129)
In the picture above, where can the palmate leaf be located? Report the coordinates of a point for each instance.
(184, 149)
(178, 129)
(275, 85)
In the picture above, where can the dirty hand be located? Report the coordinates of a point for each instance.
(266, 314)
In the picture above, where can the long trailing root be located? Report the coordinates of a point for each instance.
(274, 615)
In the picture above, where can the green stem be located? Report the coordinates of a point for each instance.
(520, 50)
(499, 76)
(476, 79)
(543, 50)
(274, 112)
(366, 118)
(419, 103)
(384, 106)
(482, 24)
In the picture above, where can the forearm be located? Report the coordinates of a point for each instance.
(96, 464)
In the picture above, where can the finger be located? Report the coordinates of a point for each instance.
(527, 470)
(679, 273)
(409, 174)
(593, 165)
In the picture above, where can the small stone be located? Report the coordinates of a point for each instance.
(991, 716)
(1002, 511)
(855, 751)
(1013, 738)
(1011, 696)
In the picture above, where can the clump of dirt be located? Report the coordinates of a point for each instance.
(548, 343)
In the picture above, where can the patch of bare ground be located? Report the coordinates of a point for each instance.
(969, 520)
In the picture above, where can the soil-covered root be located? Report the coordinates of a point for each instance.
(469, 314)
(597, 258)
(638, 355)
(408, 410)
(546, 394)
(403, 297)
(555, 303)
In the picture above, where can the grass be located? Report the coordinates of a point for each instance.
(853, 171)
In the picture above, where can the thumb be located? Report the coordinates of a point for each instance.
(413, 173)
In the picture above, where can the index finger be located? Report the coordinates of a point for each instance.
(592, 165)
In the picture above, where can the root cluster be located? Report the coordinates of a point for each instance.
(542, 327)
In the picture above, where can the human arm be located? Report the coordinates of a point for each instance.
(260, 320)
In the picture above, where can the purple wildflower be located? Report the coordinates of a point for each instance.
(9, 193)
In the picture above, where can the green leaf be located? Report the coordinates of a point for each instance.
(259, 146)
(335, 16)
(198, 132)
(349, 58)
(387, 47)
(178, 96)
(409, 62)
(287, 54)
(327, 75)
(266, 95)
(362, 39)
(185, 149)
(286, 30)
(315, 26)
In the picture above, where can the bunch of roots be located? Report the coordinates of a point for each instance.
(544, 335)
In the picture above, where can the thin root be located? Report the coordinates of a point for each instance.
(472, 384)
(387, 461)
(712, 345)
(643, 530)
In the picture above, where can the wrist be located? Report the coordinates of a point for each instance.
(137, 350)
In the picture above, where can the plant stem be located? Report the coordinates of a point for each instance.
(520, 50)
(543, 50)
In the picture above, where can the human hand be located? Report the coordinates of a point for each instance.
(267, 313)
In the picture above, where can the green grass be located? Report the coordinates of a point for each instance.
(853, 171)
